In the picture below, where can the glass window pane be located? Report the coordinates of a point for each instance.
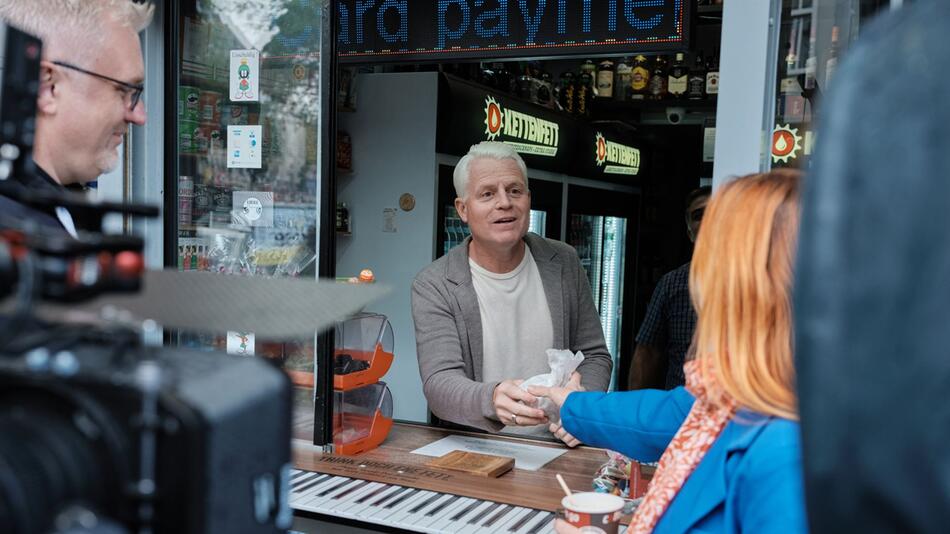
(249, 123)
(814, 34)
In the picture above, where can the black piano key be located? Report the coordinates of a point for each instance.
(424, 503)
(299, 474)
(402, 496)
(298, 481)
(542, 523)
(466, 510)
(494, 519)
(312, 482)
(371, 494)
(333, 487)
(491, 507)
(351, 489)
(442, 506)
(524, 520)
(388, 497)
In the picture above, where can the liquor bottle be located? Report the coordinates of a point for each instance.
(583, 93)
(523, 84)
(622, 79)
(712, 75)
(566, 92)
(504, 81)
(678, 77)
(640, 79)
(605, 79)
(696, 89)
(811, 63)
(832, 62)
(658, 81)
(543, 94)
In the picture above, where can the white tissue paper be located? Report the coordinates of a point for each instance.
(563, 363)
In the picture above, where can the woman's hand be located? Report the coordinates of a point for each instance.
(563, 527)
(558, 395)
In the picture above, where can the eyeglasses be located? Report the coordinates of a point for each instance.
(134, 90)
(697, 214)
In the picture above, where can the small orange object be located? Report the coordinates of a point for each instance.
(366, 275)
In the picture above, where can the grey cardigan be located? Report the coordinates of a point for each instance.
(449, 330)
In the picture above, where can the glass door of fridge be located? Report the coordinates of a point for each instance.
(246, 165)
(600, 244)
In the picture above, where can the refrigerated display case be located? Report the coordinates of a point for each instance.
(602, 228)
(247, 91)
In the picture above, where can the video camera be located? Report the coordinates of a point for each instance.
(99, 433)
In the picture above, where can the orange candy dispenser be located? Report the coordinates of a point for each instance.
(362, 405)
(363, 350)
(362, 418)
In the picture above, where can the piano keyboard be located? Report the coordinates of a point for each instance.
(411, 508)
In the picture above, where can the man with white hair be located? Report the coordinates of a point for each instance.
(486, 312)
(91, 83)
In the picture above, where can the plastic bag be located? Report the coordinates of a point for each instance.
(563, 363)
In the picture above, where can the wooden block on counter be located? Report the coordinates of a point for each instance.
(485, 465)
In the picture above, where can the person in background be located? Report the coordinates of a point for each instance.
(91, 77)
(728, 443)
(486, 312)
(872, 285)
(667, 329)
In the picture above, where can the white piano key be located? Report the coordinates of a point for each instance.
(372, 504)
(385, 507)
(495, 516)
(307, 491)
(456, 520)
(548, 526)
(306, 480)
(319, 491)
(525, 520)
(401, 502)
(345, 505)
(441, 524)
(509, 519)
(337, 498)
(308, 486)
(470, 522)
(400, 513)
(441, 512)
(427, 515)
(535, 524)
(322, 499)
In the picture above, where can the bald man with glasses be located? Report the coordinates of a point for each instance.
(91, 82)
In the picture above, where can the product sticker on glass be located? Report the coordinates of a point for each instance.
(244, 147)
(245, 75)
(253, 208)
(389, 219)
(241, 343)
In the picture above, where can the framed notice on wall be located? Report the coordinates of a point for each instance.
(439, 30)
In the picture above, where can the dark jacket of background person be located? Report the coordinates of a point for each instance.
(873, 286)
(445, 311)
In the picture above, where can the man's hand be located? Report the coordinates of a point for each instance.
(515, 406)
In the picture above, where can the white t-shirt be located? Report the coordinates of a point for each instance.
(516, 325)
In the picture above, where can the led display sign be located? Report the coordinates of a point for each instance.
(404, 30)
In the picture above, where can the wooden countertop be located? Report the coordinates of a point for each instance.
(394, 463)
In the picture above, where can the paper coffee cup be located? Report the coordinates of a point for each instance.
(593, 513)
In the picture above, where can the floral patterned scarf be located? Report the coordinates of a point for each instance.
(701, 428)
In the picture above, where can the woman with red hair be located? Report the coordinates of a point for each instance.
(728, 443)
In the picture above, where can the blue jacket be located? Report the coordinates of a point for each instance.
(750, 480)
